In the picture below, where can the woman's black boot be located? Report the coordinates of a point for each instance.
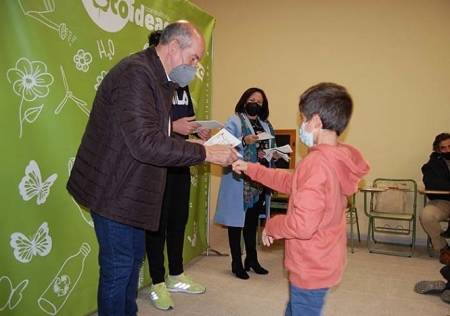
(234, 238)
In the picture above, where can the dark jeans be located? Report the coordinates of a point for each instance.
(306, 302)
(121, 252)
(174, 217)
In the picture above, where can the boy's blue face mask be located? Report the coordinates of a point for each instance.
(306, 137)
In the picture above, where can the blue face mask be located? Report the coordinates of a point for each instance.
(306, 137)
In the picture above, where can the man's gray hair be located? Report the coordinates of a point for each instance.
(182, 32)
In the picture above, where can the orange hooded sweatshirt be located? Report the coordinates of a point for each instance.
(314, 227)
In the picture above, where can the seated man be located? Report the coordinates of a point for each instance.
(436, 176)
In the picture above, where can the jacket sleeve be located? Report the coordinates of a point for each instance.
(433, 179)
(143, 115)
(307, 204)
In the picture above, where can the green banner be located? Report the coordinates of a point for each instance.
(55, 54)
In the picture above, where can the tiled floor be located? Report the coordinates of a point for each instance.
(373, 284)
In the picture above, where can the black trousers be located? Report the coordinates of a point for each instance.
(174, 217)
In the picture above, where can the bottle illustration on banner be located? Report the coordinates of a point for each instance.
(10, 296)
(58, 291)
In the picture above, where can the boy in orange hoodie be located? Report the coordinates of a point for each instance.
(314, 227)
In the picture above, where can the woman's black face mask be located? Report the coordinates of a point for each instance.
(252, 108)
(446, 156)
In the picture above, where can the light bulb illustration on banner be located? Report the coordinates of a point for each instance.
(37, 9)
(58, 291)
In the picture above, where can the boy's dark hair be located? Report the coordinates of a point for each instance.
(153, 38)
(331, 102)
(240, 106)
(440, 138)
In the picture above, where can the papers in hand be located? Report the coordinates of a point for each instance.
(283, 151)
(264, 136)
(212, 124)
(223, 137)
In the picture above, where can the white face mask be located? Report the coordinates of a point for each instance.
(183, 74)
(306, 137)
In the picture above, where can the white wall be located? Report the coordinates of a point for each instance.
(392, 55)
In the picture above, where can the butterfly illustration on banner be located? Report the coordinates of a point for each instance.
(26, 248)
(32, 185)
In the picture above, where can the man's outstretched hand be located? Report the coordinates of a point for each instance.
(223, 155)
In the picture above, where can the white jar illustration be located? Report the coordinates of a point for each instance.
(58, 291)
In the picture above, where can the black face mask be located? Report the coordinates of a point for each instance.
(446, 156)
(252, 109)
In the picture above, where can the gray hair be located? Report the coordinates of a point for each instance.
(181, 31)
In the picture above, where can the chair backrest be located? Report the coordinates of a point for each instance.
(394, 200)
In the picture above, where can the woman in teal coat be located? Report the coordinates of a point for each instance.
(241, 201)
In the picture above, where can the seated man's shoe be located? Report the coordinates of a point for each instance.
(444, 256)
(445, 296)
(429, 287)
(184, 284)
(161, 297)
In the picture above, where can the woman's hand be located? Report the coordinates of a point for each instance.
(250, 139)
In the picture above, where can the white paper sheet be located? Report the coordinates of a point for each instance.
(283, 151)
(223, 137)
(209, 124)
(264, 136)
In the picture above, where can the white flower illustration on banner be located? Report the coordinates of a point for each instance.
(100, 79)
(32, 185)
(82, 60)
(26, 248)
(11, 296)
(30, 81)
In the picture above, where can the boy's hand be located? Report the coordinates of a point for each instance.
(266, 239)
(239, 166)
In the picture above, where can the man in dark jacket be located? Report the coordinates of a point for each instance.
(120, 168)
(436, 176)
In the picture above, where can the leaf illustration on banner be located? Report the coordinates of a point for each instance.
(26, 248)
(32, 114)
(32, 185)
(30, 80)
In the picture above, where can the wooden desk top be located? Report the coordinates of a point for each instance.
(425, 191)
(372, 189)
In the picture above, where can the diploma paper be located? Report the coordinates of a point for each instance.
(223, 137)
